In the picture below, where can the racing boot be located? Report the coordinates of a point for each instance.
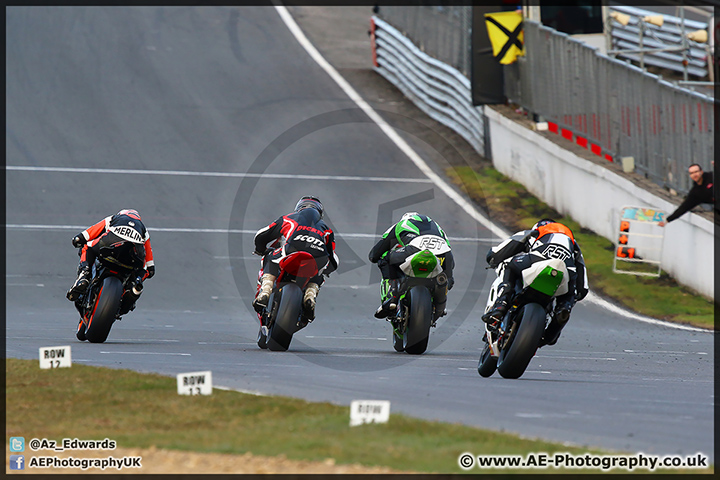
(389, 290)
(309, 301)
(81, 283)
(557, 323)
(263, 296)
(496, 313)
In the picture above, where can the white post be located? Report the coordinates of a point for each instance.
(607, 27)
(710, 49)
(532, 12)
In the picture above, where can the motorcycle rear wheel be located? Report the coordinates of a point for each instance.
(417, 333)
(107, 306)
(285, 323)
(515, 357)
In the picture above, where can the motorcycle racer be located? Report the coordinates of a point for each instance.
(99, 235)
(301, 230)
(122, 226)
(546, 239)
(394, 242)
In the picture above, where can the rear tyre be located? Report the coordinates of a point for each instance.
(515, 358)
(487, 364)
(415, 339)
(288, 314)
(107, 306)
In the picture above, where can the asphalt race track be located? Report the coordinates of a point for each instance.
(212, 122)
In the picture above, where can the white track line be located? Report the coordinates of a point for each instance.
(641, 318)
(420, 163)
(149, 353)
(214, 174)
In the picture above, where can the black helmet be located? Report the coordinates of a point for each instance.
(309, 202)
(543, 222)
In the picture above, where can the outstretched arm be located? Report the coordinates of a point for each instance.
(510, 247)
(380, 248)
(266, 235)
(691, 201)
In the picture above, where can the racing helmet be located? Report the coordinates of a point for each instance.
(310, 202)
(130, 213)
(407, 215)
(542, 223)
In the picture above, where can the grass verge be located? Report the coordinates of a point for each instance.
(93, 403)
(510, 204)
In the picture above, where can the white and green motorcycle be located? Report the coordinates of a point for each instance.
(422, 292)
(510, 347)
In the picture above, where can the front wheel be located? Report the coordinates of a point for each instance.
(80, 334)
(262, 338)
(417, 333)
(397, 338)
(515, 357)
(487, 364)
(106, 308)
(288, 314)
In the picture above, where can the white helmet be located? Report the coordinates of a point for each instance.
(130, 213)
(408, 215)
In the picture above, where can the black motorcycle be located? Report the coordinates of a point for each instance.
(114, 288)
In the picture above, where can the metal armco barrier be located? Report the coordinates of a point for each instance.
(441, 31)
(439, 90)
(614, 106)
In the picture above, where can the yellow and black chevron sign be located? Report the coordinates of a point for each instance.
(506, 35)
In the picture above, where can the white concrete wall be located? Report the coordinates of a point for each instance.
(593, 196)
